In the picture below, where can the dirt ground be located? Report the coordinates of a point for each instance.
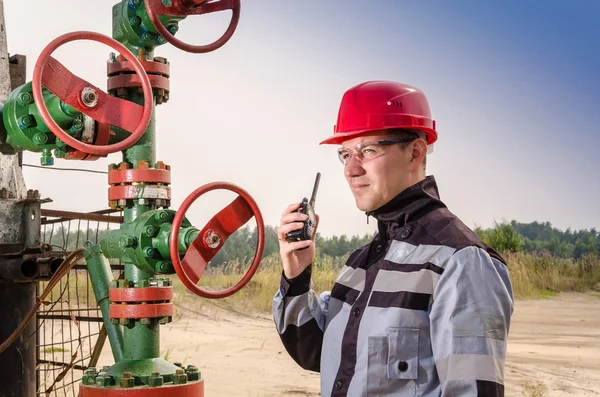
(553, 351)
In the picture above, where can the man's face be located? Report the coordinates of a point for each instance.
(376, 181)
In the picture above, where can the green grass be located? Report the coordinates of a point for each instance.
(541, 276)
(257, 295)
(532, 276)
(50, 350)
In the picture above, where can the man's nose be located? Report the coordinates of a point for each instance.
(353, 168)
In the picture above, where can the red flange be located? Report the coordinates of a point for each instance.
(212, 237)
(131, 192)
(190, 389)
(149, 294)
(89, 99)
(138, 175)
(146, 310)
(180, 8)
(133, 81)
(151, 67)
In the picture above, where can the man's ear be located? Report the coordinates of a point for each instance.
(419, 151)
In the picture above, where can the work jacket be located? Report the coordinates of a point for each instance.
(423, 310)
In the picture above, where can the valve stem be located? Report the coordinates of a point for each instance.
(89, 97)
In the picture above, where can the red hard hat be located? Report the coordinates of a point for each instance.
(382, 105)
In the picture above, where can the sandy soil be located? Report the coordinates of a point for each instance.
(554, 351)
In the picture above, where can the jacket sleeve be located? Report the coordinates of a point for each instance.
(470, 320)
(300, 319)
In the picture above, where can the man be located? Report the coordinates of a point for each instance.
(425, 308)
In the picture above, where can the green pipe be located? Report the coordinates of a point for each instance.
(101, 276)
(118, 243)
(145, 147)
(142, 341)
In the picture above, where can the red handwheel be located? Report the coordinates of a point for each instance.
(88, 99)
(212, 237)
(180, 8)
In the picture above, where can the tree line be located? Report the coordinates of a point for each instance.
(541, 238)
(513, 236)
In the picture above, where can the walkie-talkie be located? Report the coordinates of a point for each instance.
(308, 208)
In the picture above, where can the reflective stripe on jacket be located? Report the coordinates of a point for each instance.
(423, 310)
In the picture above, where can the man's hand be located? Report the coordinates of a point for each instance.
(294, 261)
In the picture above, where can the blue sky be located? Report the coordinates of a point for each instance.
(513, 86)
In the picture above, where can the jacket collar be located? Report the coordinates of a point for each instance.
(411, 204)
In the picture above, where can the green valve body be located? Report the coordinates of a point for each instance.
(144, 242)
(133, 28)
(24, 129)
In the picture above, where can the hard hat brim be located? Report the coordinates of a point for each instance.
(340, 137)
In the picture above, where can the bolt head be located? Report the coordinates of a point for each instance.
(46, 160)
(143, 164)
(135, 21)
(145, 321)
(156, 380)
(89, 379)
(162, 267)
(25, 98)
(127, 380)
(26, 122)
(180, 379)
(162, 216)
(150, 231)
(40, 138)
(104, 381)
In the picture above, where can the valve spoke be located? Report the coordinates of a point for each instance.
(212, 237)
(107, 110)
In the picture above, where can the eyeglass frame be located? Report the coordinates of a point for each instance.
(382, 142)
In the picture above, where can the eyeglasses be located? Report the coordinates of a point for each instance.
(366, 151)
